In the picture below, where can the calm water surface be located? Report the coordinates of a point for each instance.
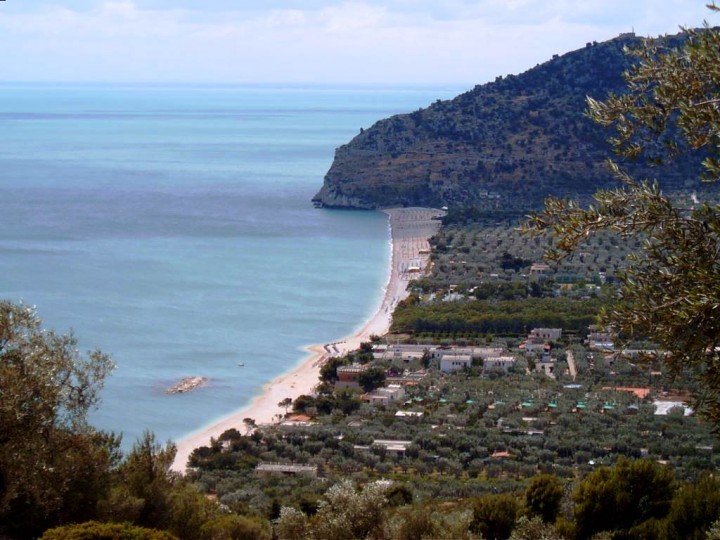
(171, 227)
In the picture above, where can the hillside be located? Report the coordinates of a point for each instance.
(502, 145)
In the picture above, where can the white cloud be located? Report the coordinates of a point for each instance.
(395, 41)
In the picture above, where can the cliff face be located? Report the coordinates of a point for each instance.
(503, 145)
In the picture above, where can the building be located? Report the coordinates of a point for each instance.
(535, 348)
(503, 363)
(348, 375)
(663, 408)
(546, 366)
(600, 341)
(379, 351)
(452, 362)
(544, 334)
(384, 395)
(539, 269)
(393, 447)
(408, 414)
(408, 378)
(404, 353)
(286, 469)
(297, 420)
(476, 353)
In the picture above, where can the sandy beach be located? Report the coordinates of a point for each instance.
(410, 230)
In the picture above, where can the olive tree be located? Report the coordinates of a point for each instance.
(670, 293)
(53, 465)
(344, 513)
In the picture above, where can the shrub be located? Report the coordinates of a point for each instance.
(93, 530)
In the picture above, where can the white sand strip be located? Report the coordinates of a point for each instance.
(410, 230)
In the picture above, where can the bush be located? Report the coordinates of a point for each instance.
(93, 530)
(494, 516)
(534, 529)
(622, 497)
(693, 509)
(543, 497)
(234, 527)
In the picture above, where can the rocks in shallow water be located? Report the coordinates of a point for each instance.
(186, 384)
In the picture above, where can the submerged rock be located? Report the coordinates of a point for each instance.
(186, 385)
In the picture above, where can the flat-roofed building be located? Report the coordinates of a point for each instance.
(663, 408)
(545, 334)
(348, 375)
(285, 469)
(547, 367)
(384, 395)
(409, 414)
(453, 362)
(394, 447)
(498, 362)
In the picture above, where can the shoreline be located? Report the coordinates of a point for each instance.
(410, 231)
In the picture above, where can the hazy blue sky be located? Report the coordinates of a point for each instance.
(315, 41)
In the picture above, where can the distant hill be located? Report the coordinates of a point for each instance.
(504, 145)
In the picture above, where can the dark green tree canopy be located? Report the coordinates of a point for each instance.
(53, 465)
(623, 497)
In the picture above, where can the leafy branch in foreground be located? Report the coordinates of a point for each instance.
(670, 292)
(53, 465)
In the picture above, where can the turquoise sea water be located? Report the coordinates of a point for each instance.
(171, 227)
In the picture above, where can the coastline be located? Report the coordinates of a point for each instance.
(410, 231)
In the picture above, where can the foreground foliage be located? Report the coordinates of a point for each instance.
(93, 530)
(53, 465)
(632, 500)
(56, 469)
(671, 289)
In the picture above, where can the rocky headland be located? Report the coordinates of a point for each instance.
(505, 145)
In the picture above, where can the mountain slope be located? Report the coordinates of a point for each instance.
(503, 145)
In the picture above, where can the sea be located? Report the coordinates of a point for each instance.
(171, 227)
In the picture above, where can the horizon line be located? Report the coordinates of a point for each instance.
(259, 84)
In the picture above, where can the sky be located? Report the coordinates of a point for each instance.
(369, 42)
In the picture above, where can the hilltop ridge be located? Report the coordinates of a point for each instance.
(506, 144)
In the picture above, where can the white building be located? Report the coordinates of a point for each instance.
(408, 414)
(285, 469)
(534, 348)
(385, 395)
(475, 352)
(452, 362)
(405, 353)
(498, 362)
(545, 334)
(601, 341)
(662, 408)
(393, 447)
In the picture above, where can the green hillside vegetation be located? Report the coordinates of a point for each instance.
(479, 436)
(501, 147)
(473, 318)
(669, 291)
(470, 254)
(481, 282)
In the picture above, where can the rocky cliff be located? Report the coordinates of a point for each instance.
(502, 145)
